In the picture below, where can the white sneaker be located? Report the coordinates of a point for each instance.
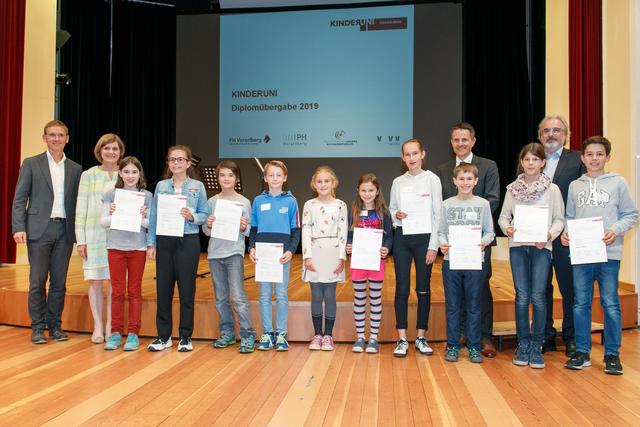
(185, 344)
(158, 344)
(401, 348)
(423, 347)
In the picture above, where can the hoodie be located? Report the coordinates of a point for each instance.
(606, 196)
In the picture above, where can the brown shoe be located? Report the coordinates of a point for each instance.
(488, 350)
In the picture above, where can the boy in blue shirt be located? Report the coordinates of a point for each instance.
(606, 195)
(274, 219)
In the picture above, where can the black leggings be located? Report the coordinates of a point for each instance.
(406, 248)
(323, 292)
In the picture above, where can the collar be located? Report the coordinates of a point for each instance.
(554, 155)
(52, 160)
(468, 159)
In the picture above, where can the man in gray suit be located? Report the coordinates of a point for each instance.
(44, 210)
(463, 138)
(562, 166)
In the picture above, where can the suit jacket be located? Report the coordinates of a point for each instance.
(488, 186)
(33, 200)
(570, 168)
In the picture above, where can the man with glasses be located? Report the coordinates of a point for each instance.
(563, 166)
(44, 211)
(463, 138)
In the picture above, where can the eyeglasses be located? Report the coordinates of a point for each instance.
(552, 130)
(177, 160)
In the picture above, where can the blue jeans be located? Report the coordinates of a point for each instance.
(463, 285)
(282, 303)
(530, 270)
(606, 273)
(228, 275)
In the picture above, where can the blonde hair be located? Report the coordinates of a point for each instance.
(105, 139)
(331, 173)
(276, 163)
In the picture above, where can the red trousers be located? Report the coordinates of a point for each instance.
(121, 263)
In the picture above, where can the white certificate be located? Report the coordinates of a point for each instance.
(418, 210)
(268, 267)
(227, 223)
(585, 240)
(170, 221)
(531, 223)
(127, 215)
(465, 252)
(365, 252)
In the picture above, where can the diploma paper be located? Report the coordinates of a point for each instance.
(418, 210)
(227, 223)
(585, 240)
(465, 252)
(268, 268)
(531, 223)
(365, 252)
(170, 221)
(127, 215)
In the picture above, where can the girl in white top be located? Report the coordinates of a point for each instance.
(324, 239)
(531, 261)
(414, 240)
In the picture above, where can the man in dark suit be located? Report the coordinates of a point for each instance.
(44, 210)
(562, 166)
(463, 139)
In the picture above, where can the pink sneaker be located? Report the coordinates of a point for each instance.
(316, 343)
(327, 343)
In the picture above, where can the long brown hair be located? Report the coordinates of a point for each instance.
(534, 148)
(131, 160)
(357, 206)
(167, 171)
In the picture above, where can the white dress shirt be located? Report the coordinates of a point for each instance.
(57, 179)
(468, 159)
(552, 162)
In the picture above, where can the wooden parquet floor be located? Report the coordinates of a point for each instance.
(78, 383)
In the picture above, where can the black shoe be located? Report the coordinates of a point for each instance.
(549, 345)
(570, 348)
(58, 335)
(612, 365)
(37, 336)
(578, 361)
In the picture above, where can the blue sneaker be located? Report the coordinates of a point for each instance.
(132, 343)
(225, 341)
(359, 345)
(266, 341)
(451, 354)
(113, 342)
(521, 356)
(247, 344)
(475, 356)
(536, 360)
(281, 342)
(372, 346)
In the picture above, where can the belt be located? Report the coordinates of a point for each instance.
(57, 219)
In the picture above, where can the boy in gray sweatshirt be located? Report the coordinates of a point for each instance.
(599, 194)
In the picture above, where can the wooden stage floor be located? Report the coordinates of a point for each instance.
(77, 316)
(78, 383)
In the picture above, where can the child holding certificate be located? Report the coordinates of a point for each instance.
(416, 205)
(178, 209)
(229, 210)
(274, 220)
(368, 210)
(532, 192)
(469, 217)
(604, 197)
(324, 240)
(127, 250)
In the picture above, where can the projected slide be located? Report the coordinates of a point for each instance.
(325, 83)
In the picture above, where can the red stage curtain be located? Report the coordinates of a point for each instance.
(12, 13)
(585, 69)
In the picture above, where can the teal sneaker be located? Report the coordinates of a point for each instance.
(247, 344)
(266, 342)
(132, 342)
(281, 342)
(475, 356)
(224, 341)
(451, 354)
(113, 342)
